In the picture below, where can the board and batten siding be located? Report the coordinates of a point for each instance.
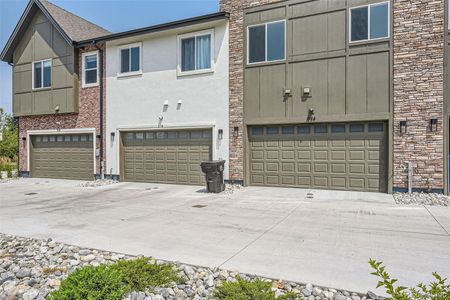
(196, 101)
(349, 81)
(42, 41)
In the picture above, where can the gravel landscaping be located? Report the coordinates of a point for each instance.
(421, 199)
(31, 269)
(98, 182)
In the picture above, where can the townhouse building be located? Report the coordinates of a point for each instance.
(56, 93)
(326, 94)
(339, 94)
(144, 105)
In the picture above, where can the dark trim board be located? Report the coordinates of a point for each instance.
(157, 28)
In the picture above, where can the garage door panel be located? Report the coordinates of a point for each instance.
(345, 159)
(272, 180)
(288, 180)
(174, 157)
(272, 167)
(64, 156)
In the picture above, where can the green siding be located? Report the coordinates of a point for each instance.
(42, 41)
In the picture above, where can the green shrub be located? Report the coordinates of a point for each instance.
(243, 289)
(141, 274)
(437, 290)
(93, 283)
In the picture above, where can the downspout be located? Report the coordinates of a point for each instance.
(18, 136)
(102, 163)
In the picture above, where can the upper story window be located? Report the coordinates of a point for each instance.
(266, 42)
(130, 59)
(90, 69)
(369, 22)
(42, 74)
(195, 52)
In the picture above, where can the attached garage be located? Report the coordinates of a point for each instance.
(165, 156)
(65, 156)
(324, 156)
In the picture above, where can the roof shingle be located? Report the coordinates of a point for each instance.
(77, 28)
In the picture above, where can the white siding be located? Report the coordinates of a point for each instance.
(138, 102)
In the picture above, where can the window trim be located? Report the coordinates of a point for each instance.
(181, 37)
(130, 73)
(369, 7)
(265, 60)
(42, 74)
(83, 56)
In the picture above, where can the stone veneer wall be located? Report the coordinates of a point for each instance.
(236, 84)
(87, 117)
(418, 91)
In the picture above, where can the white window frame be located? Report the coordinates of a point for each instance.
(83, 83)
(265, 59)
(42, 74)
(369, 7)
(131, 73)
(193, 35)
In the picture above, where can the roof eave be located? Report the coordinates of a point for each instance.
(156, 28)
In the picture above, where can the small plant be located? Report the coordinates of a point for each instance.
(243, 289)
(141, 274)
(437, 290)
(93, 283)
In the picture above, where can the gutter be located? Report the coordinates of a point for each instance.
(156, 28)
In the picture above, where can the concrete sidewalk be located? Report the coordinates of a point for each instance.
(274, 232)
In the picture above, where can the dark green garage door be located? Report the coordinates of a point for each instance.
(326, 156)
(68, 156)
(170, 156)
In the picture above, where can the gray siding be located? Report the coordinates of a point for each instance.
(348, 81)
(43, 41)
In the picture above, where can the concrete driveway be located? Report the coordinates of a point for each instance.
(274, 232)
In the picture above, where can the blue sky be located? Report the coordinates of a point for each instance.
(114, 15)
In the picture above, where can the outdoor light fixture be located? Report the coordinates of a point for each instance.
(403, 126)
(220, 134)
(306, 92)
(236, 131)
(433, 125)
(99, 136)
(113, 135)
(24, 138)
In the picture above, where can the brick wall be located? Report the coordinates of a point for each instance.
(236, 8)
(87, 117)
(418, 91)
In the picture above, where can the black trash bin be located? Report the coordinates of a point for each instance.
(214, 175)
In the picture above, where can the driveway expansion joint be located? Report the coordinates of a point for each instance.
(261, 235)
(442, 226)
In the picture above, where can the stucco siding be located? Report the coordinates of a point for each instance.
(137, 102)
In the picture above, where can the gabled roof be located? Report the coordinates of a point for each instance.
(72, 27)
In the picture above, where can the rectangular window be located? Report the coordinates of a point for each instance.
(130, 59)
(196, 52)
(42, 74)
(357, 128)
(266, 42)
(90, 69)
(369, 22)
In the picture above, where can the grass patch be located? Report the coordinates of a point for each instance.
(93, 283)
(141, 274)
(243, 289)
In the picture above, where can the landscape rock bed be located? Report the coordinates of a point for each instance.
(31, 269)
(98, 182)
(421, 199)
